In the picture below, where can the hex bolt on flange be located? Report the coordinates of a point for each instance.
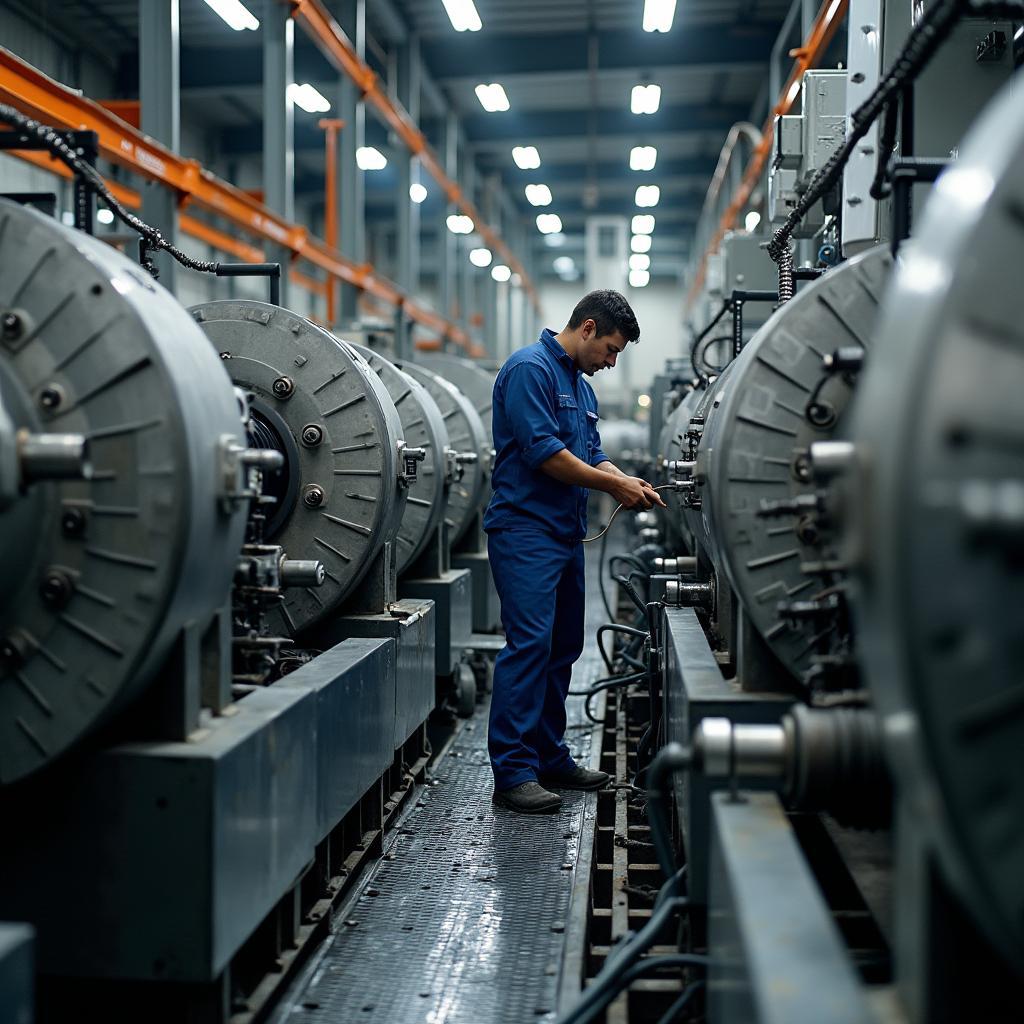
(313, 495)
(72, 522)
(56, 588)
(283, 387)
(11, 326)
(51, 397)
(312, 435)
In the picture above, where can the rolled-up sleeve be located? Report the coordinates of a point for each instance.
(530, 408)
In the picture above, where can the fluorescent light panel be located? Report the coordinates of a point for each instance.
(526, 157)
(480, 257)
(555, 241)
(639, 261)
(751, 220)
(645, 99)
(538, 195)
(492, 97)
(643, 158)
(417, 192)
(647, 195)
(462, 14)
(369, 158)
(459, 224)
(500, 272)
(658, 15)
(564, 265)
(549, 223)
(236, 14)
(309, 98)
(104, 216)
(640, 243)
(643, 224)
(639, 278)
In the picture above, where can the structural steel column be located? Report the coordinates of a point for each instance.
(446, 242)
(159, 98)
(351, 201)
(278, 124)
(407, 213)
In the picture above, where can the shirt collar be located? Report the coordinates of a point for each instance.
(547, 337)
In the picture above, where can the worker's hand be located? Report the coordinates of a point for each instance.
(632, 492)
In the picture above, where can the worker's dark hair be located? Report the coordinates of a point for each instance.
(610, 312)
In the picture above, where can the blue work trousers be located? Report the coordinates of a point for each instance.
(540, 581)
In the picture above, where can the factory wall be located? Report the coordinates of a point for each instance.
(658, 309)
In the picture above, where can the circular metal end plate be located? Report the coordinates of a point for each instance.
(100, 575)
(347, 501)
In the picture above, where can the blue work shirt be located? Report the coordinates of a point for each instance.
(542, 404)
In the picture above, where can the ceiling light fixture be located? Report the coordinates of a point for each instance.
(643, 224)
(538, 195)
(549, 223)
(459, 224)
(462, 14)
(658, 15)
(639, 261)
(236, 14)
(645, 99)
(751, 220)
(640, 243)
(480, 257)
(104, 216)
(501, 273)
(369, 158)
(647, 195)
(417, 192)
(526, 157)
(643, 158)
(492, 97)
(639, 278)
(564, 265)
(555, 241)
(309, 98)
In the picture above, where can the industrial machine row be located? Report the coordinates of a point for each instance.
(243, 564)
(838, 583)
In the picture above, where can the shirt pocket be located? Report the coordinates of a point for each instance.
(593, 435)
(568, 420)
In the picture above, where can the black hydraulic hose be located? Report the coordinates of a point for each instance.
(641, 970)
(600, 575)
(671, 1015)
(703, 334)
(672, 758)
(615, 627)
(594, 998)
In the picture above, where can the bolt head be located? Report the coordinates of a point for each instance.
(56, 588)
(283, 387)
(313, 495)
(11, 326)
(312, 435)
(51, 397)
(72, 522)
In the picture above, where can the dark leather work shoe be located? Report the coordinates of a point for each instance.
(578, 778)
(528, 798)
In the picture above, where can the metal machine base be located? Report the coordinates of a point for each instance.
(486, 606)
(156, 861)
(452, 595)
(410, 623)
(787, 962)
(696, 689)
(17, 984)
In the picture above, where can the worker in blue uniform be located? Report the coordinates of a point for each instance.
(548, 457)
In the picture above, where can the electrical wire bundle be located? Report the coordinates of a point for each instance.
(927, 36)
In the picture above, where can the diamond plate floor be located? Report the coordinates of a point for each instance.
(464, 920)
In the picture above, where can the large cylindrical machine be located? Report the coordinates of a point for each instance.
(102, 574)
(341, 493)
(754, 429)
(466, 433)
(423, 427)
(939, 525)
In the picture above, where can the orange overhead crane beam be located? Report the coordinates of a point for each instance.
(830, 16)
(29, 90)
(317, 21)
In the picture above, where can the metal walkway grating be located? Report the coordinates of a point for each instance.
(464, 919)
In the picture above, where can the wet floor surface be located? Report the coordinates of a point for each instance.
(464, 920)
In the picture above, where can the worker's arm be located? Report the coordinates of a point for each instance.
(629, 491)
